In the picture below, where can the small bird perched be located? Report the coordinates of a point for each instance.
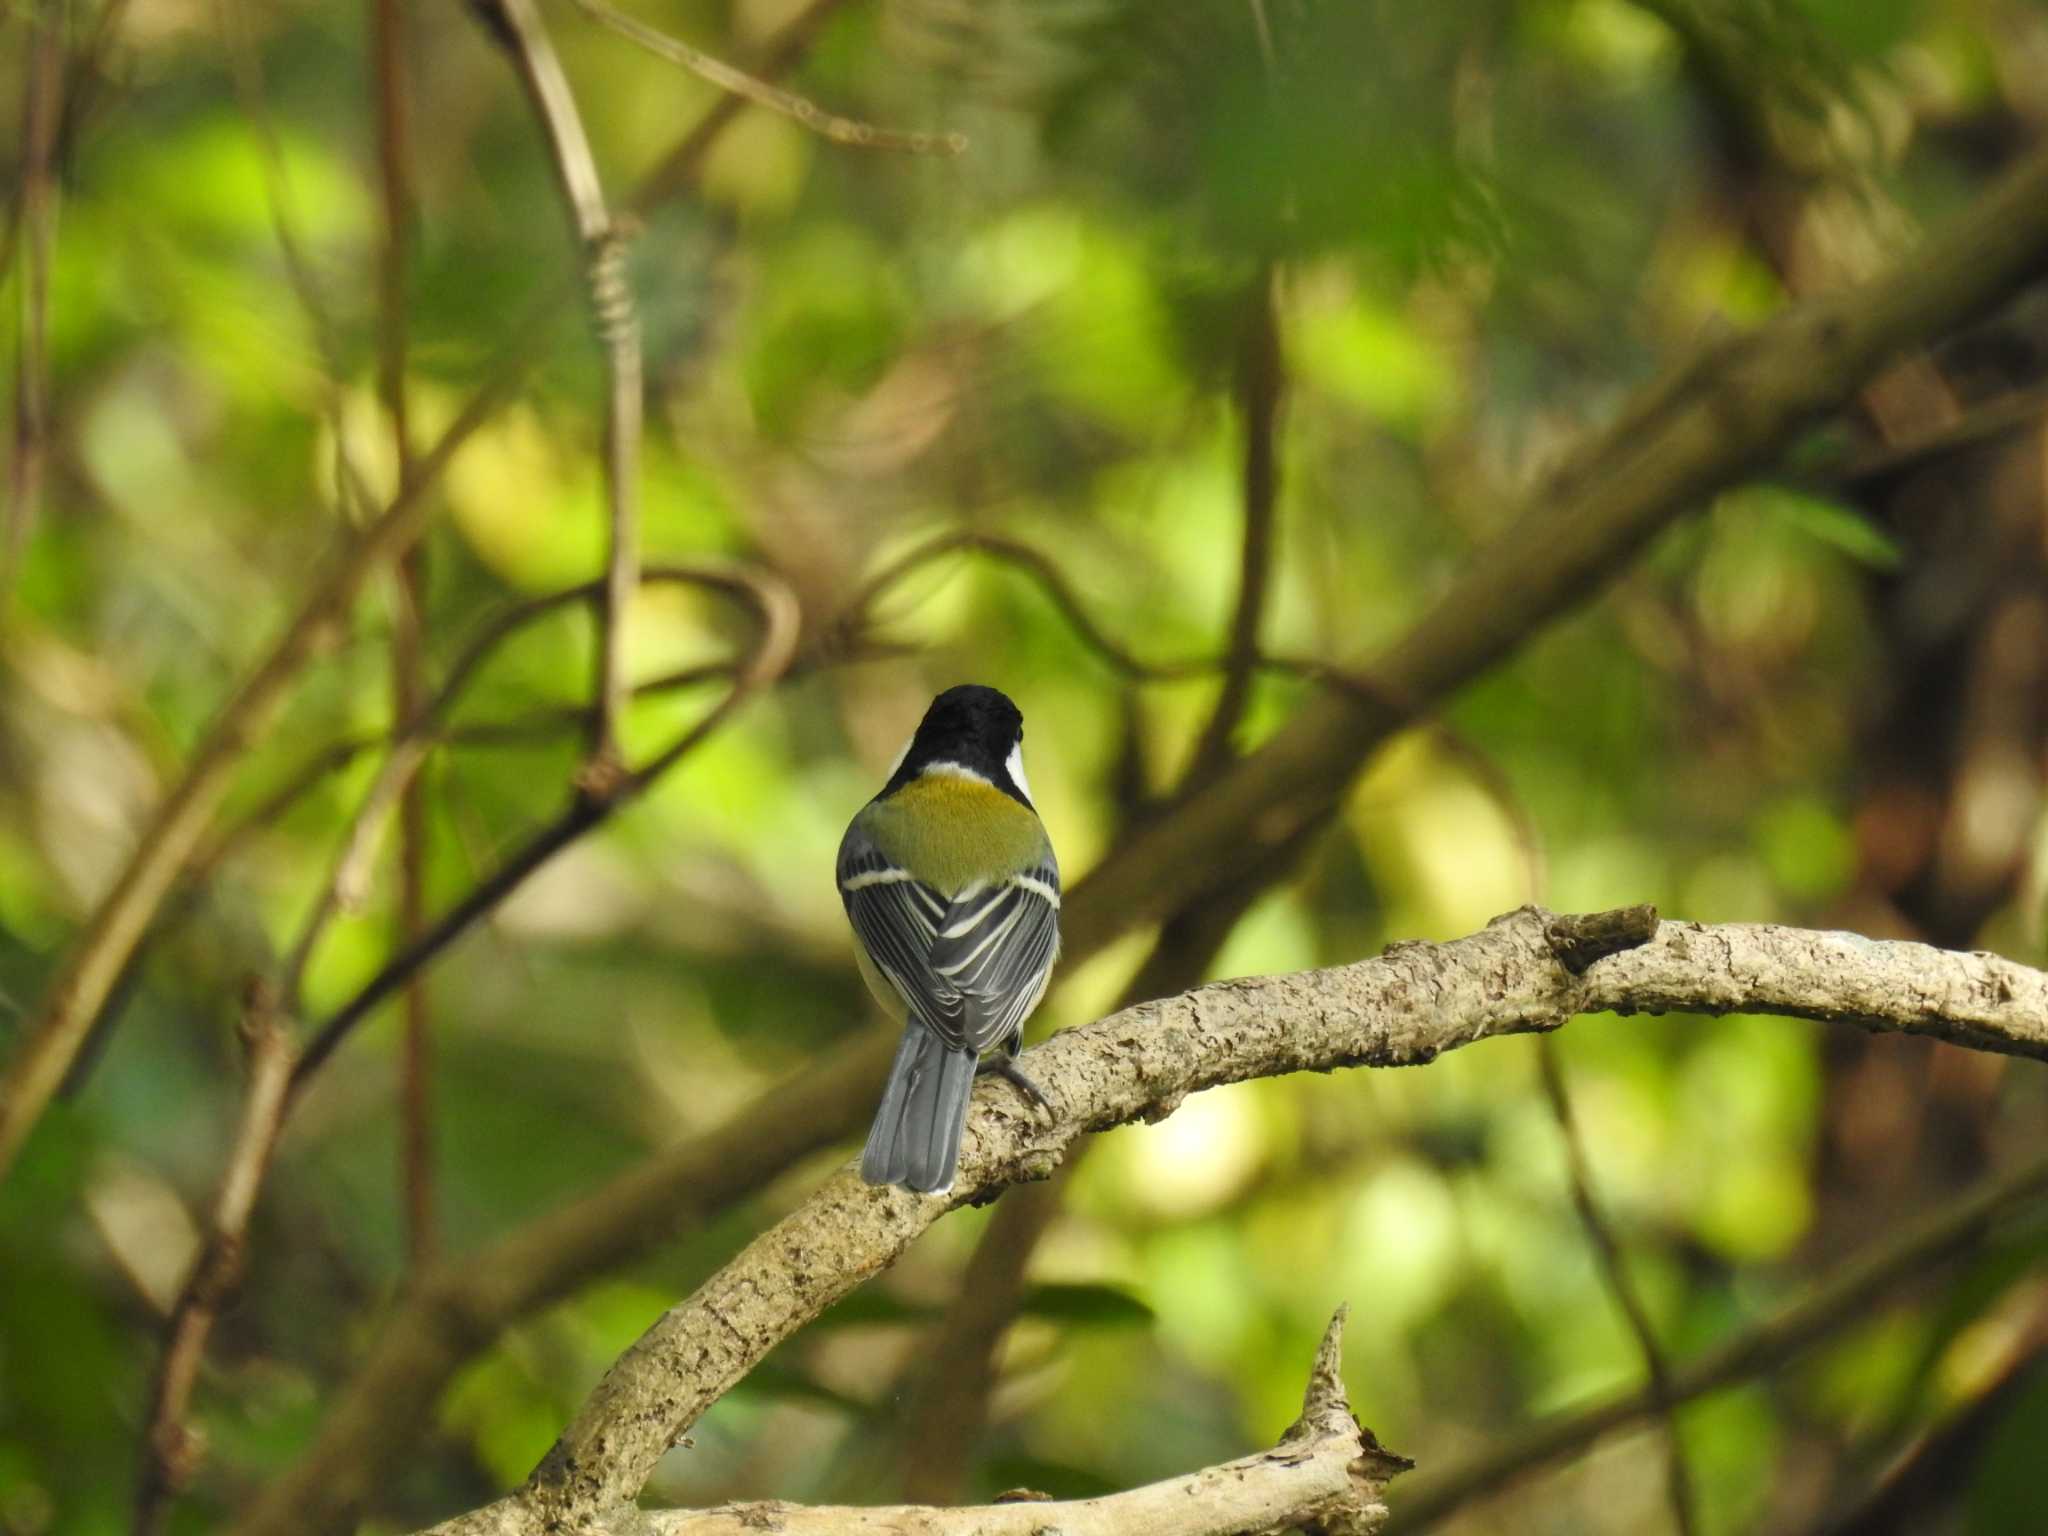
(954, 895)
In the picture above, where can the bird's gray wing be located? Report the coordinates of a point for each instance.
(995, 948)
(896, 918)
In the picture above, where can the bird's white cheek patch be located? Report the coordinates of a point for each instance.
(1015, 768)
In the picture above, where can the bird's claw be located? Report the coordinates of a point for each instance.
(1015, 1076)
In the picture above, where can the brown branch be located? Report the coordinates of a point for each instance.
(1871, 474)
(776, 613)
(1578, 942)
(123, 915)
(1687, 437)
(171, 1450)
(102, 950)
(408, 632)
(460, 1306)
(1404, 1008)
(78, 93)
(1260, 391)
(603, 241)
(42, 108)
(743, 86)
(348, 880)
(1327, 1474)
(246, 67)
(858, 615)
(1912, 1491)
(1842, 1300)
(1614, 1268)
(949, 1389)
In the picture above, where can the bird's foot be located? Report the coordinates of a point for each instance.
(1008, 1070)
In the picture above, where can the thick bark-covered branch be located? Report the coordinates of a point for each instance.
(1404, 1008)
(1326, 1474)
(1678, 442)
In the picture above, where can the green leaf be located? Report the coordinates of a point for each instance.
(1833, 523)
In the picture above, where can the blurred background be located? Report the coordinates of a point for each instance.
(1287, 297)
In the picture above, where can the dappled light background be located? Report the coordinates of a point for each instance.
(1475, 228)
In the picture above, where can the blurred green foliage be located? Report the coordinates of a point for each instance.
(1489, 222)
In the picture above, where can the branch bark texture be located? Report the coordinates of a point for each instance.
(1327, 1474)
(1402, 1009)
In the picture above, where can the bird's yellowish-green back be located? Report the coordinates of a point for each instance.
(950, 831)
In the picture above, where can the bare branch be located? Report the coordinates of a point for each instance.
(603, 241)
(1614, 1269)
(1405, 1008)
(408, 630)
(1260, 390)
(102, 950)
(1327, 1474)
(123, 915)
(42, 110)
(170, 1449)
(348, 880)
(246, 66)
(461, 1305)
(1838, 1302)
(775, 611)
(1684, 439)
(746, 87)
(459, 1308)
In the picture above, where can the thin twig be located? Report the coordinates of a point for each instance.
(618, 326)
(746, 87)
(2020, 410)
(1260, 390)
(79, 94)
(42, 110)
(171, 1449)
(246, 63)
(408, 630)
(775, 611)
(1840, 1300)
(347, 881)
(1620, 1285)
(858, 615)
(604, 242)
(681, 166)
(538, 728)
(101, 954)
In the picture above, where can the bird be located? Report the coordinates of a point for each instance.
(950, 883)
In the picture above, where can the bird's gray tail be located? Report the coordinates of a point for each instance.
(915, 1140)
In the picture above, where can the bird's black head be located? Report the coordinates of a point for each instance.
(970, 727)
